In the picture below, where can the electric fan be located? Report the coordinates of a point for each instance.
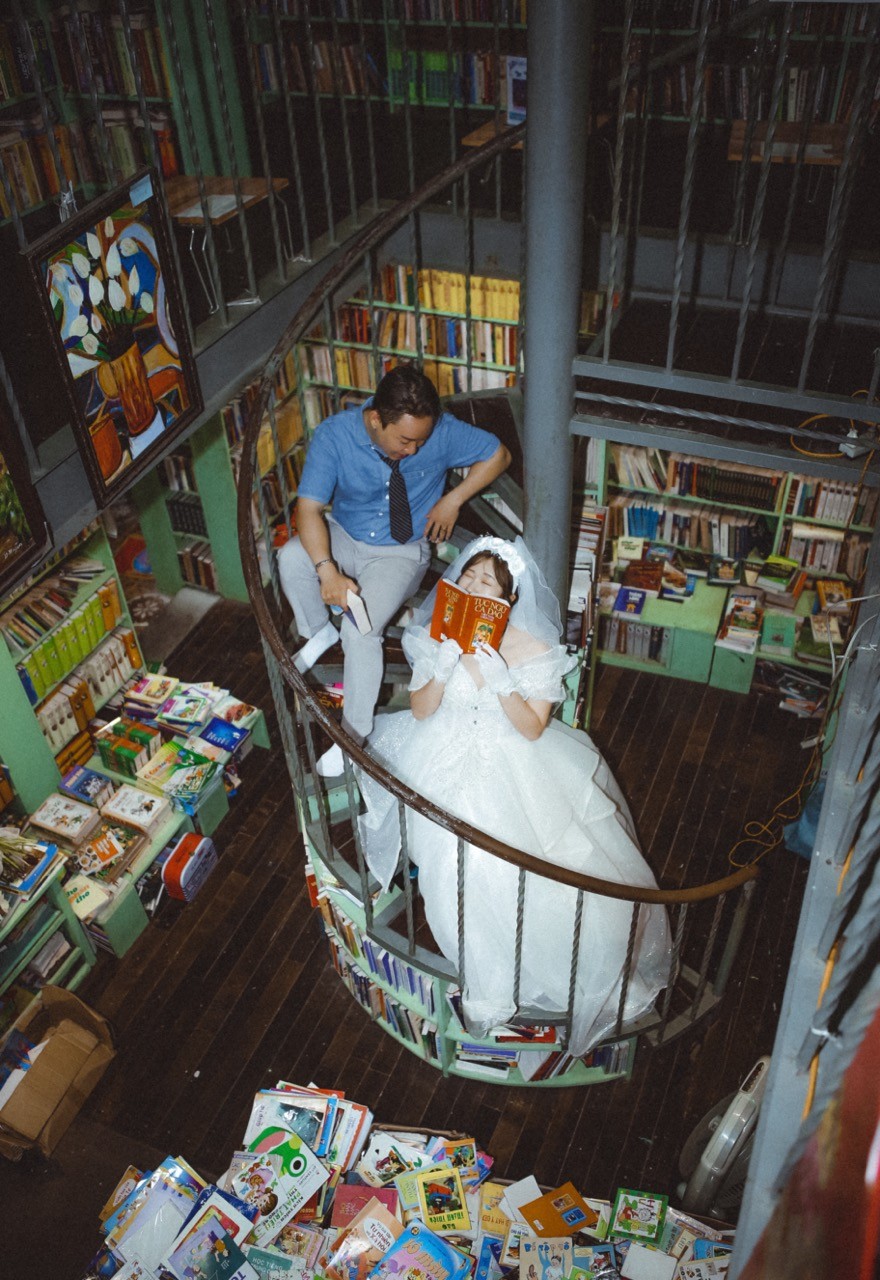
(715, 1158)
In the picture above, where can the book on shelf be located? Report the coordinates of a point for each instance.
(826, 631)
(135, 808)
(645, 576)
(69, 819)
(27, 861)
(833, 595)
(724, 571)
(110, 850)
(85, 895)
(778, 633)
(468, 619)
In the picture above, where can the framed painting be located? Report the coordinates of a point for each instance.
(24, 534)
(112, 306)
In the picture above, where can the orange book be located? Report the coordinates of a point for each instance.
(468, 619)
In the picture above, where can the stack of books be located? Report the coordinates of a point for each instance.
(315, 1190)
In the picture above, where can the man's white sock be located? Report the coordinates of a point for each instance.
(313, 648)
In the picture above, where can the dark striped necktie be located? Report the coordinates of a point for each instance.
(399, 514)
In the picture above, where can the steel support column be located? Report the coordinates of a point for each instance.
(556, 139)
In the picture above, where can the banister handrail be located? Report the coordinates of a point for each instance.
(374, 234)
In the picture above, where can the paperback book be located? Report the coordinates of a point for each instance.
(357, 1250)
(418, 1252)
(136, 808)
(86, 785)
(442, 1201)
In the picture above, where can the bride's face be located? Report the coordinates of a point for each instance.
(479, 580)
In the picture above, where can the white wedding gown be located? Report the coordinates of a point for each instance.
(554, 798)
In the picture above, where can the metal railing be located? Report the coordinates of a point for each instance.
(707, 920)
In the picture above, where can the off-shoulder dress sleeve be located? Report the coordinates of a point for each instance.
(541, 677)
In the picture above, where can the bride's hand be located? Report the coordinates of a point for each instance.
(447, 660)
(494, 669)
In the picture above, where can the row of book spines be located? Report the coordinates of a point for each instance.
(69, 710)
(70, 643)
(837, 501)
(177, 471)
(399, 974)
(108, 54)
(196, 562)
(186, 513)
(288, 431)
(491, 297)
(819, 555)
(426, 10)
(635, 639)
(408, 1025)
(30, 164)
(16, 78)
(478, 78)
(485, 341)
(127, 745)
(723, 535)
(335, 68)
(689, 477)
(273, 496)
(235, 413)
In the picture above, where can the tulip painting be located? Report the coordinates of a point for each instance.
(107, 280)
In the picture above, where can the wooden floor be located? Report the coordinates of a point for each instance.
(235, 990)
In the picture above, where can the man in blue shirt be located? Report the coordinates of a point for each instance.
(355, 462)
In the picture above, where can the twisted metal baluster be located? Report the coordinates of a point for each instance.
(674, 961)
(291, 131)
(761, 195)
(460, 889)
(688, 184)
(406, 865)
(518, 940)
(251, 62)
(337, 61)
(707, 954)
(627, 968)
(575, 960)
(319, 121)
(368, 104)
(617, 178)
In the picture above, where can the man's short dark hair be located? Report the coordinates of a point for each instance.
(406, 390)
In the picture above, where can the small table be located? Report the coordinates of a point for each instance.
(185, 207)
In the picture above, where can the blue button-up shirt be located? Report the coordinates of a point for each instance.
(344, 467)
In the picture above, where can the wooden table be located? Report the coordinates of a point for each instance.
(185, 207)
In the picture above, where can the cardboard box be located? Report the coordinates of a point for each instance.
(78, 1049)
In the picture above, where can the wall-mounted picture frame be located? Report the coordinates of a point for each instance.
(112, 306)
(24, 534)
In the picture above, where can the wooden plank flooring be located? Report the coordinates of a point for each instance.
(235, 990)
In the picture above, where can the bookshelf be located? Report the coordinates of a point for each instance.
(415, 1005)
(32, 753)
(359, 49)
(386, 326)
(703, 506)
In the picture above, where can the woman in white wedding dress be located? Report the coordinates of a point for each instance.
(479, 743)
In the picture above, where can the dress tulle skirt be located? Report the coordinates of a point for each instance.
(554, 798)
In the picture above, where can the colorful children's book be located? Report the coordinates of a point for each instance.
(136, 808)
(493, 1219)
(350, 1199)
(388, 1155)
(302, 1243)
(559, 1213)
(301, 1174)
(513, 1237)
(270, 1265)
(419, 1252)
(545, 1258)
(461, 1154)
(221, 733)
(467, 619)
(638, 1215)
(442, 1202)
(86, 785)
(358, 1249)
(210, 1242)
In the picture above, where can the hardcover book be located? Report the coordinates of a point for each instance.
(545, 1256)
(467, 619)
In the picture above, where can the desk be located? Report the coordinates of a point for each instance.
(184, 205)
(825, 142)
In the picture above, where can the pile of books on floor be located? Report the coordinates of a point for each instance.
(316, 1190)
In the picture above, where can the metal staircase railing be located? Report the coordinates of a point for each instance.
(707, 920)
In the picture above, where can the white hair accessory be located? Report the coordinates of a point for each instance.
(504, 550)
